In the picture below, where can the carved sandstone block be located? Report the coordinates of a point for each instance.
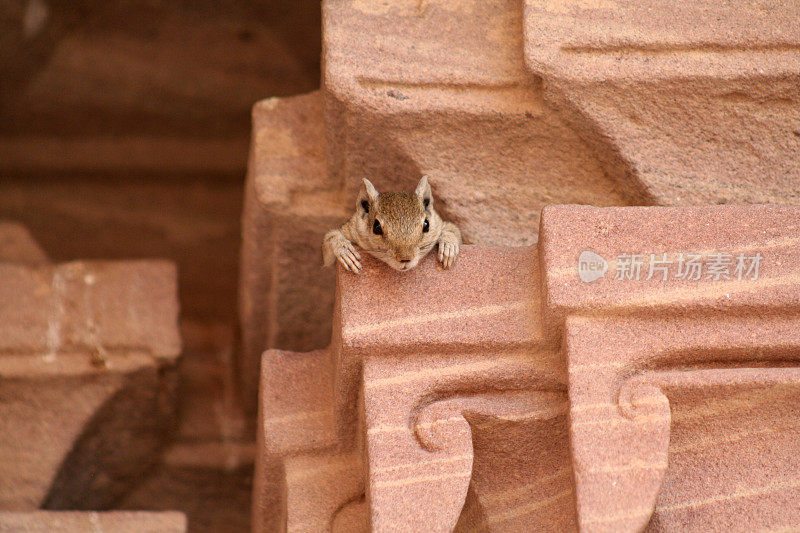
(109, 522)
(434, 360)
(510, 106)
(692, 102)
(511, 391)
(634, 342)
(17, 245)
(87, 371)
(289, 204)
(422, 94)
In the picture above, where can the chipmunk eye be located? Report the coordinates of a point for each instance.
(376, 228)
(425, 226)
(365, 205)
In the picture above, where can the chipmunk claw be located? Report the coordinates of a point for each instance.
(448, 251)
(349, 257)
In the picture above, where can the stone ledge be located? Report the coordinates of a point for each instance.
(108, 522)
(607, 395)
(87, 363)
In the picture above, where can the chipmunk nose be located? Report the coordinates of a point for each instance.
(404, 256)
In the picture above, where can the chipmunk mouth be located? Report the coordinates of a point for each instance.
(402, 266)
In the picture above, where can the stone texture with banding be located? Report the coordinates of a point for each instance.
(507, 394)
(87, 365)
(508, 106)
(107, 522)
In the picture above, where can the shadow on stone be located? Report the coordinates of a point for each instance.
(119, 445)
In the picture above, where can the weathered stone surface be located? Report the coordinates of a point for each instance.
(508, 393)
(109, 522)
(208, 459)
(87, 365)
(325, 484)
(18, 246)
(692, 340)
(163, 91)
(426, 350)
(289, 204)
(691, 113)
(285, 295)
(90, 305)
(191, 221)
(733, 231)
(510, 106)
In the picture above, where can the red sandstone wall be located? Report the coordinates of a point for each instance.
(440, 383)
(509, 394)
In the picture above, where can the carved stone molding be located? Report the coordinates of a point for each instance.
(511, 393)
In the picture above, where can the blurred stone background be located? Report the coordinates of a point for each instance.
(124, 133)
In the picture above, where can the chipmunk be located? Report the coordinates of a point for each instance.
(398, 228)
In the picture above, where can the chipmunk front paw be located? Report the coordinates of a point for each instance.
(347, 255)
(448, 249)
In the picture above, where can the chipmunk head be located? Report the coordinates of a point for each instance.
(398, 228)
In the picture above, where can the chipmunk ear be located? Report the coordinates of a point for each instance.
(367, 196)
(423, 190)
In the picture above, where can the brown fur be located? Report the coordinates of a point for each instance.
(401, 214)
(403, 243)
